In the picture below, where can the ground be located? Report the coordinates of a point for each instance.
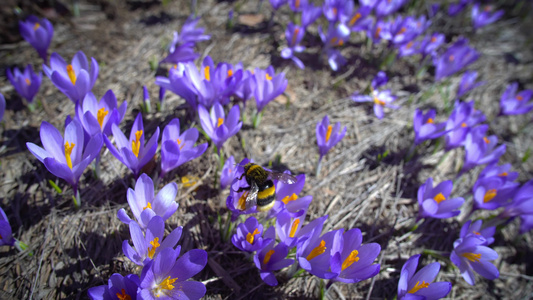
(73, 250)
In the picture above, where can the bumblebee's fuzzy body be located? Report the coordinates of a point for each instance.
(266, 195)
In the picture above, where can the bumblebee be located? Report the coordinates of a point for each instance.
(261, 189)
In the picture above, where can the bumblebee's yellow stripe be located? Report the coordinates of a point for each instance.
(253, 167)
(266, 193)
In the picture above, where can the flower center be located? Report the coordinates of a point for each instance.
(268, 255)
(378, 30)
(36, 26)
(451, 58)
(409, 45)
(288, 199)
(433, 39)
(230, 72)
(473, 257)
(295, 35)
(268, 77)
(463, 125)
(350, 259)
(418, 286)
(294, 227)
(101, 115)
(148, 205)
(503, 174)
(155, 244)
(250, 237)
(430, 121)
(220, 122)
(68, 152)
(439, 198)
(489, 195)
(136, 145)
(297, 3)
(123, 296)
(71, 74)
(317, 250)
(328, 133)
(486, 140)
(379, 102)
(28, 82)
(402, 30)
(207, 75)
(179, 143)
(519, 98)
(242, 201)
(355, 18)
(164, 285)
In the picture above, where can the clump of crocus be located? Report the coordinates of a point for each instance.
(166, 276)
(249, 236)
(98, 116)
(39, 33)
(419, 284)
(27, 83)
(144, 205)
(217, 126)
(133, 153)
(75, 79)
(425, 126)
(435, 202)
(468, 83)
(513, 103)
(176, 148)
(481, 149)
(381, 99)
(272, 258)
(471, 254)
(456, 57)
(66, 157)
(327, 137)
(463, 117)
(482, 16)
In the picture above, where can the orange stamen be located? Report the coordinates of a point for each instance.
(418, 286)
(439, 198)
(489, 195)
(267, 256)
(71, 74)
(317, 250)
(350, 259)
(250, 237)
(294, 227)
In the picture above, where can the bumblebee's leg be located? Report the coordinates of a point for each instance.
(242, 175)
(243, 189)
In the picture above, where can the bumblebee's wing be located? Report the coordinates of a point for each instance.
(283, 177)
(251, 199)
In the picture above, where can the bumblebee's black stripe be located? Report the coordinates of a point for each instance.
(257, 173)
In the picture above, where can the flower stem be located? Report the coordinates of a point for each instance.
(21, 247)
(77, 198)
(318, 166)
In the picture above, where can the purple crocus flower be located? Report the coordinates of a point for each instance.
(272, 258)
(249, 236)
(118, 287)
(522, 206)
(468, 82)
(228, 172)
(294, 35)
(244, 90)
(493, 192)
(425, 126)
(456, 57)
(287, 198)
(99, 116)
(482, 16)
(430, 43)
(359, 20)
(470, 254)
(334, 37)
(268, 86)
(379, 80)
(337, 10)
(142, 201)
(291, 231)
(463, 117)
(179, 83)
(236, 202)
(27, 83)
(297, 5)
(410, 48)
(176, 148)
(167, 275)
(75, 79)
(354, 262)
(149, 245)
(37, 32)
(386, 7)
(66, 157)
(310, 14)
(377, 29)
(502, 171)
(133, 153)
(456, 8)
(182, 46)
(403, 30)
(217, 126)
(513, 103)
(328, 136)
(435, 202)
(418, 285)
(480, 149)
(476, 228)
(315, 254)
(380, 99)
(276, 4)
(2, 107)
(6, 234)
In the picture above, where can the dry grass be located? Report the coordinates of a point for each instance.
(74, 250)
